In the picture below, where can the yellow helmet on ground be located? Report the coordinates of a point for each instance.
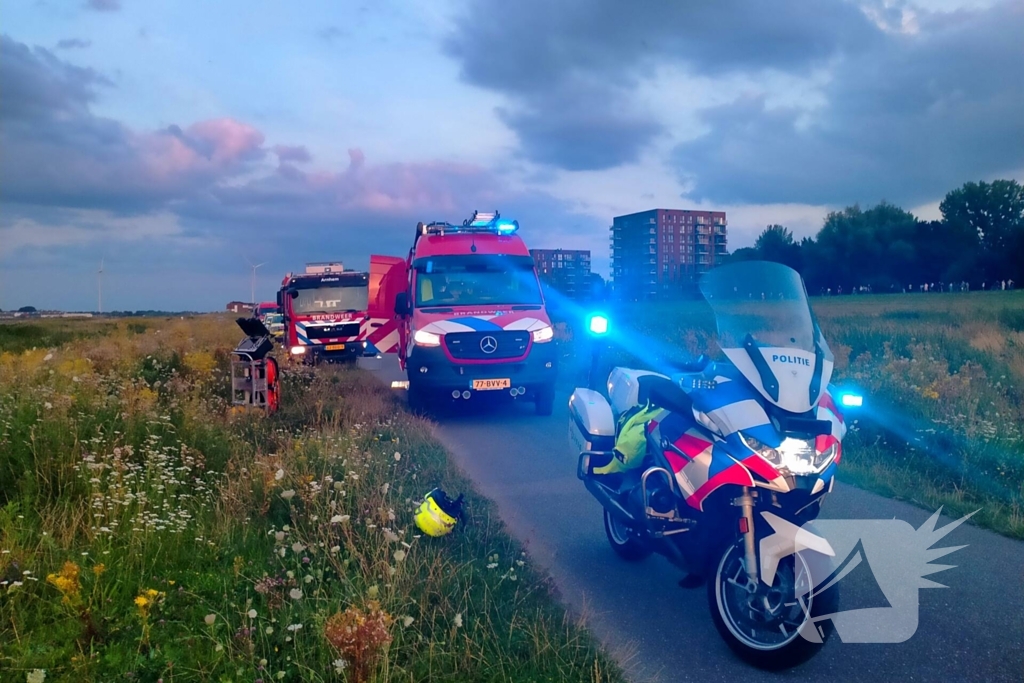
(437, 514)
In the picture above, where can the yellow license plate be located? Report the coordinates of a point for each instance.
(334, 347)
(490, 384)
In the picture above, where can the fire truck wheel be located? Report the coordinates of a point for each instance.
(545, 399)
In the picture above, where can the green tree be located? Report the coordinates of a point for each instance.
(776, 243)
(874, 247)
(995, 212)
(743, 254)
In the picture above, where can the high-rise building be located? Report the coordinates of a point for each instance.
(662, 251)
(564, 270)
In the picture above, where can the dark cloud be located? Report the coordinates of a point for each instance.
(73, 44)
(104, 5)
(571, 68)
(38, 85)
(906, 122)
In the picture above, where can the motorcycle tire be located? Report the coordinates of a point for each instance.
(623, 540)
(789, 653)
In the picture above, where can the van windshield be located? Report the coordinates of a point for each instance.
(476, 280)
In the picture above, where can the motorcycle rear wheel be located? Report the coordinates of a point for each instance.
(623, 540)
(745, 620)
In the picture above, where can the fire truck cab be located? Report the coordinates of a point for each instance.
(471, 315)
(332, 314)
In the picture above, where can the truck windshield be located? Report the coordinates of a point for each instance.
(476, 280)
(331, 300)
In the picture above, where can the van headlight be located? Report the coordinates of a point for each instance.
(794, 456)
(544, 334)
(421, 338)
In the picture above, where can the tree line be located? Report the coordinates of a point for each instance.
(978, 243)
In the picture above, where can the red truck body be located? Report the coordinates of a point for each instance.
(336, 314)
(470, 313)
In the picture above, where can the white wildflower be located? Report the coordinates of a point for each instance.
(335, 549)
(279, 475)
(458, 620)
(251, 614)
(295, 594)
(294, 627)
(390, 536)
(268, 630)
(398, 456)
(35, 676)
(373, 591)
(384, 488)
(307, 578)
(288, 495)
(407, 621)
(279, 536)
(297, 547)
(399, 555)
(339, 665)
(47, 357)
(209, 619)
(492, 565)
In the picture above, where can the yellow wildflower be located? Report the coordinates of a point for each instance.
(66, 581)
(142, 602)
(99, 569)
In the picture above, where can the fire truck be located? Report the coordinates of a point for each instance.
(471, 315)
(332, 314)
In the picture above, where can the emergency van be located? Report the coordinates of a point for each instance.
(471, 315)
(332, 314)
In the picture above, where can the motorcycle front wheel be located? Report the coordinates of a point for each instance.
(766, 626)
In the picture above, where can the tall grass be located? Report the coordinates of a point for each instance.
(150, 532)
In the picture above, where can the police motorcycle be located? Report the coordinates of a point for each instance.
(719, 464)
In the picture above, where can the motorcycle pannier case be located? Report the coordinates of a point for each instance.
(591, 425)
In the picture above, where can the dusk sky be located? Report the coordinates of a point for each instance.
(176, 140)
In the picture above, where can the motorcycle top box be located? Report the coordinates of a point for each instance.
(703, 464)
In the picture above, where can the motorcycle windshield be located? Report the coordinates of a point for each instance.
(763, 299)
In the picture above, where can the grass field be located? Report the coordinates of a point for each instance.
(944, 377)
(150, 533)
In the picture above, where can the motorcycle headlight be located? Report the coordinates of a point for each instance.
(795, 456)
(544, 334)
(422, 338)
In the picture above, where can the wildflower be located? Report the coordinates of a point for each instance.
(398, 456)
(390, 536)
(251, 614)
(307, 578)
(281, 551)
(279, 536)
(458, 620)
(288, 495)
(384, 489)
(492, 565)
(399, 555)
(339, 665)
(66, 581)
(48, 405)
(209, 619)
(295, 594)
(337, 519)
(47, 357)
(338, 486)
(36, 676)
(358, 636)
(297, 547)
(407, 621)
(335, 549)
(268, 630)
(279, 475)
(373, 591)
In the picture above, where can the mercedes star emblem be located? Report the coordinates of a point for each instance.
(488, 344)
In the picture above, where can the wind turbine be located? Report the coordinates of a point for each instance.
(99, 288)
(254, 267)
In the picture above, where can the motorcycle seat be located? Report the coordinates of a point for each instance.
(663, 393)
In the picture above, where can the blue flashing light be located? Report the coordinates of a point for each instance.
(506, 227)
(851, 400)
(597, 324)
